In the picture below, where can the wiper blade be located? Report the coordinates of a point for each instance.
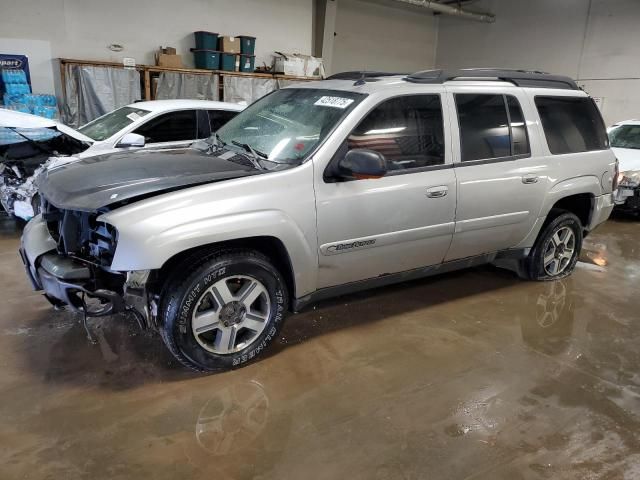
(250, 149)
(259, 156)
(254, 155)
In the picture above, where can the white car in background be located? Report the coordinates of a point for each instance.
(31, 144)
(624, 138)
(157, 124)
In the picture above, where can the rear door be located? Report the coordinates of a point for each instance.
(402, 221)
(501, 185)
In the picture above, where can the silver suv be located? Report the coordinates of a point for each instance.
(320, 189)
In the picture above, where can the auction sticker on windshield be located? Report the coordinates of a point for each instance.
(335, 102)
(133, 116)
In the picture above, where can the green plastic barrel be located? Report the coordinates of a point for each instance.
(207, 59)
(247, 44)
(228, 62)
(206, 40)
(247, 63)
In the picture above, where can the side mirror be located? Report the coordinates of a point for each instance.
(131, 140)
(362, 163)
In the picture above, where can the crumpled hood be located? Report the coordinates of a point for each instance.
(100, 181)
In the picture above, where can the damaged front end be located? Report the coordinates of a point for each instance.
(627, 196)
(24, 154)
(67, 255)
(18, 190)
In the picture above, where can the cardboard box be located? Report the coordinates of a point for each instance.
(289, 66)
(229, 44)
(298, 65)
(169, 50)
(165, 60)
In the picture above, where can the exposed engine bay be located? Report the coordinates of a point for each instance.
(24, 154)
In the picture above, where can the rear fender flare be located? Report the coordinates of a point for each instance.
(589, 184)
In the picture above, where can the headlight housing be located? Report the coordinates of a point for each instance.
(630, 179)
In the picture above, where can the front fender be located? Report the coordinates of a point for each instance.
(277, 204)
(142, 248)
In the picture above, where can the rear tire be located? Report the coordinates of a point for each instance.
(556, 250)
(223, 311)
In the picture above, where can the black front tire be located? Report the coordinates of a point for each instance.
(534, 265)
(182, 294)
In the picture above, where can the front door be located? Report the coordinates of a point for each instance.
(402, 221)
(174, 129)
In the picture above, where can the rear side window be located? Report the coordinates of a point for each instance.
(407, 130)
(491, 126)
(170, 127)
(571, 124)
(218, 118)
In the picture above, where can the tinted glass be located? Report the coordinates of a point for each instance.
(407, 130)
(170, 127)
(484, 126)
(571, 124)
(111, 123)
(519, 137)
(625, 136)
(218, 118)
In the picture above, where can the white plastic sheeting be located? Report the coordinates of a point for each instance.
(186, 85)
(92, 91)
(246, 89)
(282, 83)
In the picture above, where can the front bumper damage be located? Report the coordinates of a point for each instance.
(81, 285)
(627, 199)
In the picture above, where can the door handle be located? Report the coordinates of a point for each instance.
(437, 192)
(529, 178)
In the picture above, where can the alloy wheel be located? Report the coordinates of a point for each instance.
(559, 251)
(231, 314)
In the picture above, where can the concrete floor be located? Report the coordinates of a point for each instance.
(468, 375)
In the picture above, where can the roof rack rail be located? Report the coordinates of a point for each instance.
(358, 75)
(521, 78)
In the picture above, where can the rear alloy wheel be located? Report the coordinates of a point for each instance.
(557, 249)
(226, 312)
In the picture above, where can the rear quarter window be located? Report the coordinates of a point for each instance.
(571, 124)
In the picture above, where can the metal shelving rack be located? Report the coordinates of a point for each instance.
(148, 72)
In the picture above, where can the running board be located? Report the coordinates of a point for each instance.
(392, 278)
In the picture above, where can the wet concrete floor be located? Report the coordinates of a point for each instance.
(470, 375)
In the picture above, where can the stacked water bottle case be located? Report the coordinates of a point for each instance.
(17, 95)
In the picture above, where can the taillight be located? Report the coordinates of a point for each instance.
(616, 174)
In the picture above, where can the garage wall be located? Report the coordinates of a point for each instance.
(380, 36)
(83, 28)
(593, 41)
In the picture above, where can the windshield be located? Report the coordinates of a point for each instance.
(286, 125)
(625, 136)
(111, 123)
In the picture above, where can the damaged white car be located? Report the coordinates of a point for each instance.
(625, 143)
(151, 125)
(28, 145)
